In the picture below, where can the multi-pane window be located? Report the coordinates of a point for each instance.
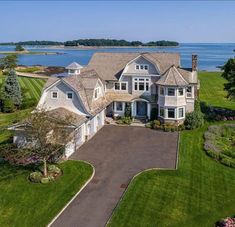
(181, 112)
(119, 106)
(120, 86)
(54, 94)
(141, 84)
(180, 91)
(69, 95)
(161, 90)
(97, 92)
(171, 112)
(189, 92)
(162, 112)
(171, 91)
(141, 67)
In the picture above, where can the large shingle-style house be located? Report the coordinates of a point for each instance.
(111, 81)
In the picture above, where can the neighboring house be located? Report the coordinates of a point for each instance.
(111, 81)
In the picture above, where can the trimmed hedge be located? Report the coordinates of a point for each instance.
(212, 150)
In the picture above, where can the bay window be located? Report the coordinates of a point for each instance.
(162, 114)
(189, 92)
(180, 91)
(181, 112)
(170, 91)
(161, 90)
(171, 112)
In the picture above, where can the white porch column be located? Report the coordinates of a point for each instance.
(132, 109)
(148, 110)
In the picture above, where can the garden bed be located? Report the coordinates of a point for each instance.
(220, 143)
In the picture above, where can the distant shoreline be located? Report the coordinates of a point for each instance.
(62, 47)
(29, 53)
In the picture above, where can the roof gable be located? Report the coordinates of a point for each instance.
(110, 66)
(172, 77)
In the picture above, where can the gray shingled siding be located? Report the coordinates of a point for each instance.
(62, 101)
(141, 60)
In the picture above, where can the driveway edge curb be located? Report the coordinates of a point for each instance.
(71, 200)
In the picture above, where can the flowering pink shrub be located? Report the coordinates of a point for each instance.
(227, 222)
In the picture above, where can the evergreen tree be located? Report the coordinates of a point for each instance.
(229, 74)
(8, 62)
(11, 89)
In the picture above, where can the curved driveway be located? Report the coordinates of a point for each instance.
(117, 153)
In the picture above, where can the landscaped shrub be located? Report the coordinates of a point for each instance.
(124, 120)
(8, 106)
(45, 180)
(35, 177)
(217, 114)
(219, 144)
(27, 103)
(194, 120)
(227, 222)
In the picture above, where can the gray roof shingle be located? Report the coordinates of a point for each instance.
(172, 77)
(74, 66)
(109, 66)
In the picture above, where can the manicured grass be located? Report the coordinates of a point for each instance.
(32, 90)
(29, 204)
(28, 70)
(212, 90)
(31, 86)
(199, 193)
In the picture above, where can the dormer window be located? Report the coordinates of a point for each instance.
(141, 67)
(69, 95)
(54, 95)
(97, 92)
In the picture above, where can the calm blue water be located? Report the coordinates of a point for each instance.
(209, 55)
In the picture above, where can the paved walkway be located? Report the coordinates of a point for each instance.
(118, 153)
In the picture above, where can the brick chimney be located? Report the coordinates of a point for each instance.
(194, 62)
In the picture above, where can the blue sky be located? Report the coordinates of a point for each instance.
(183, 21)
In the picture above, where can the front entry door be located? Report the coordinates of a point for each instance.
(141, 108)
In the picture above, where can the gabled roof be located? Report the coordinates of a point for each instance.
(172, 77)
(109, 66)
(84, 84)
(74, 66)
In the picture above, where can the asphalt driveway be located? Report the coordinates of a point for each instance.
(118, 153)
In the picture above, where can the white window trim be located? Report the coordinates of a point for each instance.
(167, 92)
(176, 108)
(69, 92)
(178, 92)
(139, 65)
(52, 94)
(98, 93)
(164, 91)
(190, 94)
(145, 82)
(120, 86)
(178, 117)
(115, 107)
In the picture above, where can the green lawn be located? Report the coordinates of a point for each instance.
(32, 88)
(199, 193)
(29, 204)
(212, 90)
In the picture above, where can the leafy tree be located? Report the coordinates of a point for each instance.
(19, 48)
(8, 62)
(46, 136)
(229, 74)
(11, 89)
